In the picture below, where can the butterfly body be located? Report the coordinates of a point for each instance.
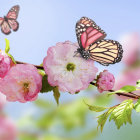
(85, 54)
(5, 18)
(9, 21)
(93, 45)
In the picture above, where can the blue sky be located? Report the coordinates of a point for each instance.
(43, 23)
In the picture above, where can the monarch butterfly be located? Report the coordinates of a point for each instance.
(9, 21)
(93, 45)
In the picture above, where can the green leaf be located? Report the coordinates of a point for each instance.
(138, 83)
(125, 89)
(122, 113)
(11, 58)
(41, 72)
(7, 48)
(56, 94)
(128, 88)
(111, 93)
(137, 106)
(96, 108)
(102, 118)
(45, 85)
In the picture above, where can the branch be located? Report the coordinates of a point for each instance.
(130, 95)
(37, 66)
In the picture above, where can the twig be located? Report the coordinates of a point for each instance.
(37, 66)
(130, 95)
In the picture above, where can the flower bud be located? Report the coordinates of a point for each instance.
(105, 81)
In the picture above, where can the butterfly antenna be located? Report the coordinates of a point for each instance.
(75, 53)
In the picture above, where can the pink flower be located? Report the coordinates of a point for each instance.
(5, 63)
(2, 101)
(105, 81)
(131, 46)
(7, 129)
(128, 77)
(22, 83)
(69, 73)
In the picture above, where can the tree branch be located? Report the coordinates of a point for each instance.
(37, 66)
(130, 95)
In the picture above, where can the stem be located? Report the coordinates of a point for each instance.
(114, 106)
(37, 66)
(130, 95)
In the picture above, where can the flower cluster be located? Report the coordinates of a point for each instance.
(22, 83)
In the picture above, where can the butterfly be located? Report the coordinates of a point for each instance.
(93, 45)
(9, 22)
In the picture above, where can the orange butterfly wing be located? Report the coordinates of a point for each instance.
(88, 32)
(13, 24)
(106, 52)
(13, 12)
(5, 28)
(1, 20)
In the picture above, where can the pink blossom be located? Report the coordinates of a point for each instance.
(69, 73)
(22, 83)
(5, 63)
(2, 101)
(105, 81)
(128, 77)
(131, 46)
(7, 129)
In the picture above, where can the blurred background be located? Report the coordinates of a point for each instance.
(44, 23)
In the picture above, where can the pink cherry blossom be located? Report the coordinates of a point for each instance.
(7, 129)
(71, 74)
(105, 81)
(131, 47)
(128, 77)
(22, 83)
(2, 101)
(5, 63)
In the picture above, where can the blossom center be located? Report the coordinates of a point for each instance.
(70, 67)
(26, 87)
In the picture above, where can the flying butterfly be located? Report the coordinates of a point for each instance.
(9, 22)
(93, 45)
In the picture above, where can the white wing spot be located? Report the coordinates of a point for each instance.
(84, 29)
(82, 25)
(88, 25)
